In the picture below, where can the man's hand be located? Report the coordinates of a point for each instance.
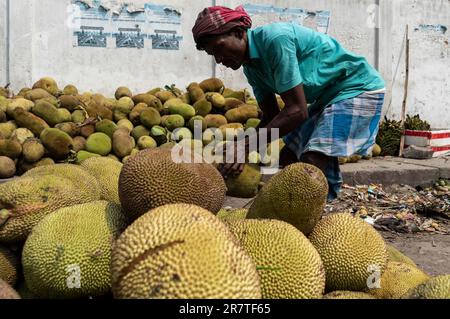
(234, 160)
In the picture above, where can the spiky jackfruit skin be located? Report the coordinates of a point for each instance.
(348, 295)
(352, 252)
(107, 172)
(435, 288)
(395, 255)
(8, 266)
(7, 292)
(25, 201)
(80, 177)
(288, 264)
(181, 251)
(229, 215)
(245, 185)
(152, 179)
(73, 241)
(296, 195)
(397, 280)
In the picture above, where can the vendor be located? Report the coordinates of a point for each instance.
(344, 92)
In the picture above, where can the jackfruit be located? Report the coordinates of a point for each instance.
(395, 255)
(125, 105)
(79, 144)
(197, 123)
(33, 150)
(25, 201)
(21, 135)
(164, 96)
(159, 134)
(50, 113)
(87, 130)
(185, 110)
(230, 214)
(18, 103)
(10, 148)
(6, 129)
(288, 264)
(212, 85)
(232, 103)
(353, 252)
(24, 166)
(397, 280)
(57, 143)
(126, 124)
(185, 98)
(68, 254)
(246, 184)
(215, 121)
(146, 142)
(231, 131)
(135, 115)
(296, 195)
(96, 110)
(83, 155)
(4, 92)
(148, 99)
(435, 288)
(7, 167)
(122, 92)
(99, 143)
(252, 123)
(240, 95)
(106, 171)
(172, 122)
(70, 90)
(348, 295)
(376, 150)
(150, 117)
(216, 99)
(9, 264)
(181, 134)
(122, 143)
(30, 121)
(71, 128)
(36, 94)
(140, 131)
(153, 178)
(202, 107)
(107, 127)
(169, 258)
(7, 292)
(47, 84)
(242, 113)
(79, 116)
(195, 92)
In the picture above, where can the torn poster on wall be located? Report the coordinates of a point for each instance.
(432, 27)
(117, 24)
(263, 14)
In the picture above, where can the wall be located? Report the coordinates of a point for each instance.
(42, 45)
(429, 79)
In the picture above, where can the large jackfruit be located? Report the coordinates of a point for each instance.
(397, 280)
(107, 172)
(232, 214)
(296, 195)
(80, 177)
(435, 288)
(7, 292)
(353, 252)
(9, 263)
(153, 178)
(181, 252)
(246, 184)
(395, 255)
(68, 254)
(288, 264)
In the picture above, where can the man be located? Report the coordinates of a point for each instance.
(345, 93)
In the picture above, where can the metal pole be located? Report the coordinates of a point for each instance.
(8, 42)
(405, 98)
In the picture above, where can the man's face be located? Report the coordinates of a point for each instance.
(228, 50)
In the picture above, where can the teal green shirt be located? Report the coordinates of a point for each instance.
(285, 55)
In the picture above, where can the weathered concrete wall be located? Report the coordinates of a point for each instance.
(429, 78)
(42, 45)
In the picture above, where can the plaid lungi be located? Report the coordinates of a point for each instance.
(346, 128)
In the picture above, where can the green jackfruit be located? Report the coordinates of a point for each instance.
(57, 143)
(107, 127)
(123, 91)
(10, 148)
(99, 143)
(148, 99)
(215, 120)
(122, 143)
(246, 184)
(212, 85)
(7, 167)
(33, 150)
(47, 84)
(172, 122)
(150, 117)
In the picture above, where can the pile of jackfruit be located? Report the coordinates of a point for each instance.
(44, 125)
(152, 228)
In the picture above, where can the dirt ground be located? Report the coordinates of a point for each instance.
(430, 251)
